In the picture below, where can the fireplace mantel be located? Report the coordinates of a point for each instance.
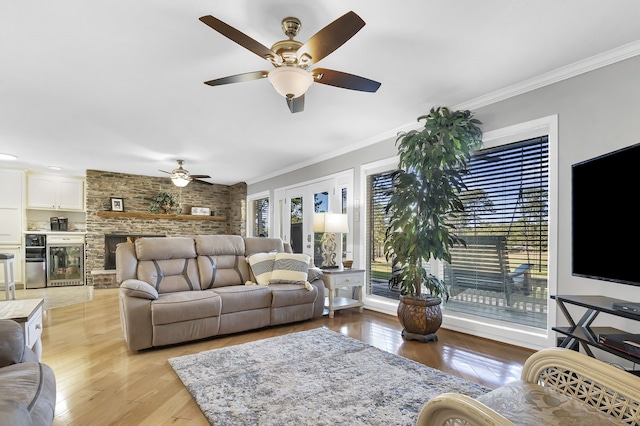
(159, 216)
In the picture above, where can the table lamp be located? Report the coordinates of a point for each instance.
(331, 224)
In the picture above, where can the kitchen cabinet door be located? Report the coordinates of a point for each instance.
(71, 194)
(55, 192)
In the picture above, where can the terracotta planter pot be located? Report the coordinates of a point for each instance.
(420, 317)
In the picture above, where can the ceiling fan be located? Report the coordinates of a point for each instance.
(182, 177)
(291, 58)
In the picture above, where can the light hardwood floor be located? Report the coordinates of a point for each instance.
(100, 383)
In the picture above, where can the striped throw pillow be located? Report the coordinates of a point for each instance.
(262, 266)
(290, 268)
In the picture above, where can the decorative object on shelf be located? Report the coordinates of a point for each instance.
(166, 203)
(331, 224)
(347, 264)
(117, 204)
(424, 196)
(200, 211)
(146, 215)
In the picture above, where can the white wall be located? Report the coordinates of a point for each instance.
(598, 112)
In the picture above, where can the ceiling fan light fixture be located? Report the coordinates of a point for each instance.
(290, 82)
(180, 180)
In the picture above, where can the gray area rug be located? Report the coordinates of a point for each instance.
(315, 377)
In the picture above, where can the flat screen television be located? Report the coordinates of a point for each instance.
(605, 217)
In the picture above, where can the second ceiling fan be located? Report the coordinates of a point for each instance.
(291, 58)
(181, 177)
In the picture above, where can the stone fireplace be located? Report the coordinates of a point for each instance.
(229, 203)
(111, 242)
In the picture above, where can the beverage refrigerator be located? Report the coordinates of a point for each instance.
(65, 261)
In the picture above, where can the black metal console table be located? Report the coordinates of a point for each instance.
(582, 332)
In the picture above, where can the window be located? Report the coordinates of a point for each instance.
(502, 272)
(379, 268)
(259, 214)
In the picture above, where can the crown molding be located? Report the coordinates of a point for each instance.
(618, 54)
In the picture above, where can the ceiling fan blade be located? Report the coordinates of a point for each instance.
(200, 176)
(296, 104)
(239, 37)
(331, 37)
(238, 78)
(344, 80)
(169, 173)
(202, 181)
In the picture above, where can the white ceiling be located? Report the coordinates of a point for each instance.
(118, 85)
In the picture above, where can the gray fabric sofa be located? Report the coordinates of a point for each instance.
(178, 289)
(27, 386)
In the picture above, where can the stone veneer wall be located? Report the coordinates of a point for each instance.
(137, 192)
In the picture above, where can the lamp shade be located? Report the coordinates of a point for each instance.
(289, 81)
(330, 222)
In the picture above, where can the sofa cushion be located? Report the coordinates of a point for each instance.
(255, 245)
(262, 267)
(292, 294)
(215, 245)
(221, 260)
(137, 288)
(33, 385)
(165, 248)
(170, 275)
(185, 306)
(525, 403)
(244, 298)
(12, 346)
(14, 413)
(222, 270)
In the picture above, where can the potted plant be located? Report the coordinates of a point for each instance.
(165, 202)
(423, 201)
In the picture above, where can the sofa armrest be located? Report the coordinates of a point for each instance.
(14, 413)
(137, 288)
(601, 385)
(12, 343)
(453, 408)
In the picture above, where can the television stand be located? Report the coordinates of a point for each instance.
(581, 331)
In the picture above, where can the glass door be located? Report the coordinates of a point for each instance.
(65, 264)
(300, 205)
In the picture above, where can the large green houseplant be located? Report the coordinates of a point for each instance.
(422, 204)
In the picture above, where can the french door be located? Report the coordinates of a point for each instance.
(300, 204)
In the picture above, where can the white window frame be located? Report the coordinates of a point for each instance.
(250, 213)
(529, 337)
(515, 334)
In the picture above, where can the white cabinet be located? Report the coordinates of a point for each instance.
(50, 192)
(12, 217)
(11, 206)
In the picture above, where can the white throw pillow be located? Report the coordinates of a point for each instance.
(262, 266)
(290, 268)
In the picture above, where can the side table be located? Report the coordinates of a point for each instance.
(27, 313)
(345, 278)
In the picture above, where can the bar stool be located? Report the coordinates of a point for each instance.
(6, 259)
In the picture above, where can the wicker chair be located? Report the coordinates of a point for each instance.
(557, 387)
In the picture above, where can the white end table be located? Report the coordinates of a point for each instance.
(27, 313)
(343, 278)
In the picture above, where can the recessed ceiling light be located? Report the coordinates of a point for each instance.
(7, 157)
(55, 167)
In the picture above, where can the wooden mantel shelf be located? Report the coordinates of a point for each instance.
(158, 216)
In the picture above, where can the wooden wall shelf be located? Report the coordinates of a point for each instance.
(159, 216)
